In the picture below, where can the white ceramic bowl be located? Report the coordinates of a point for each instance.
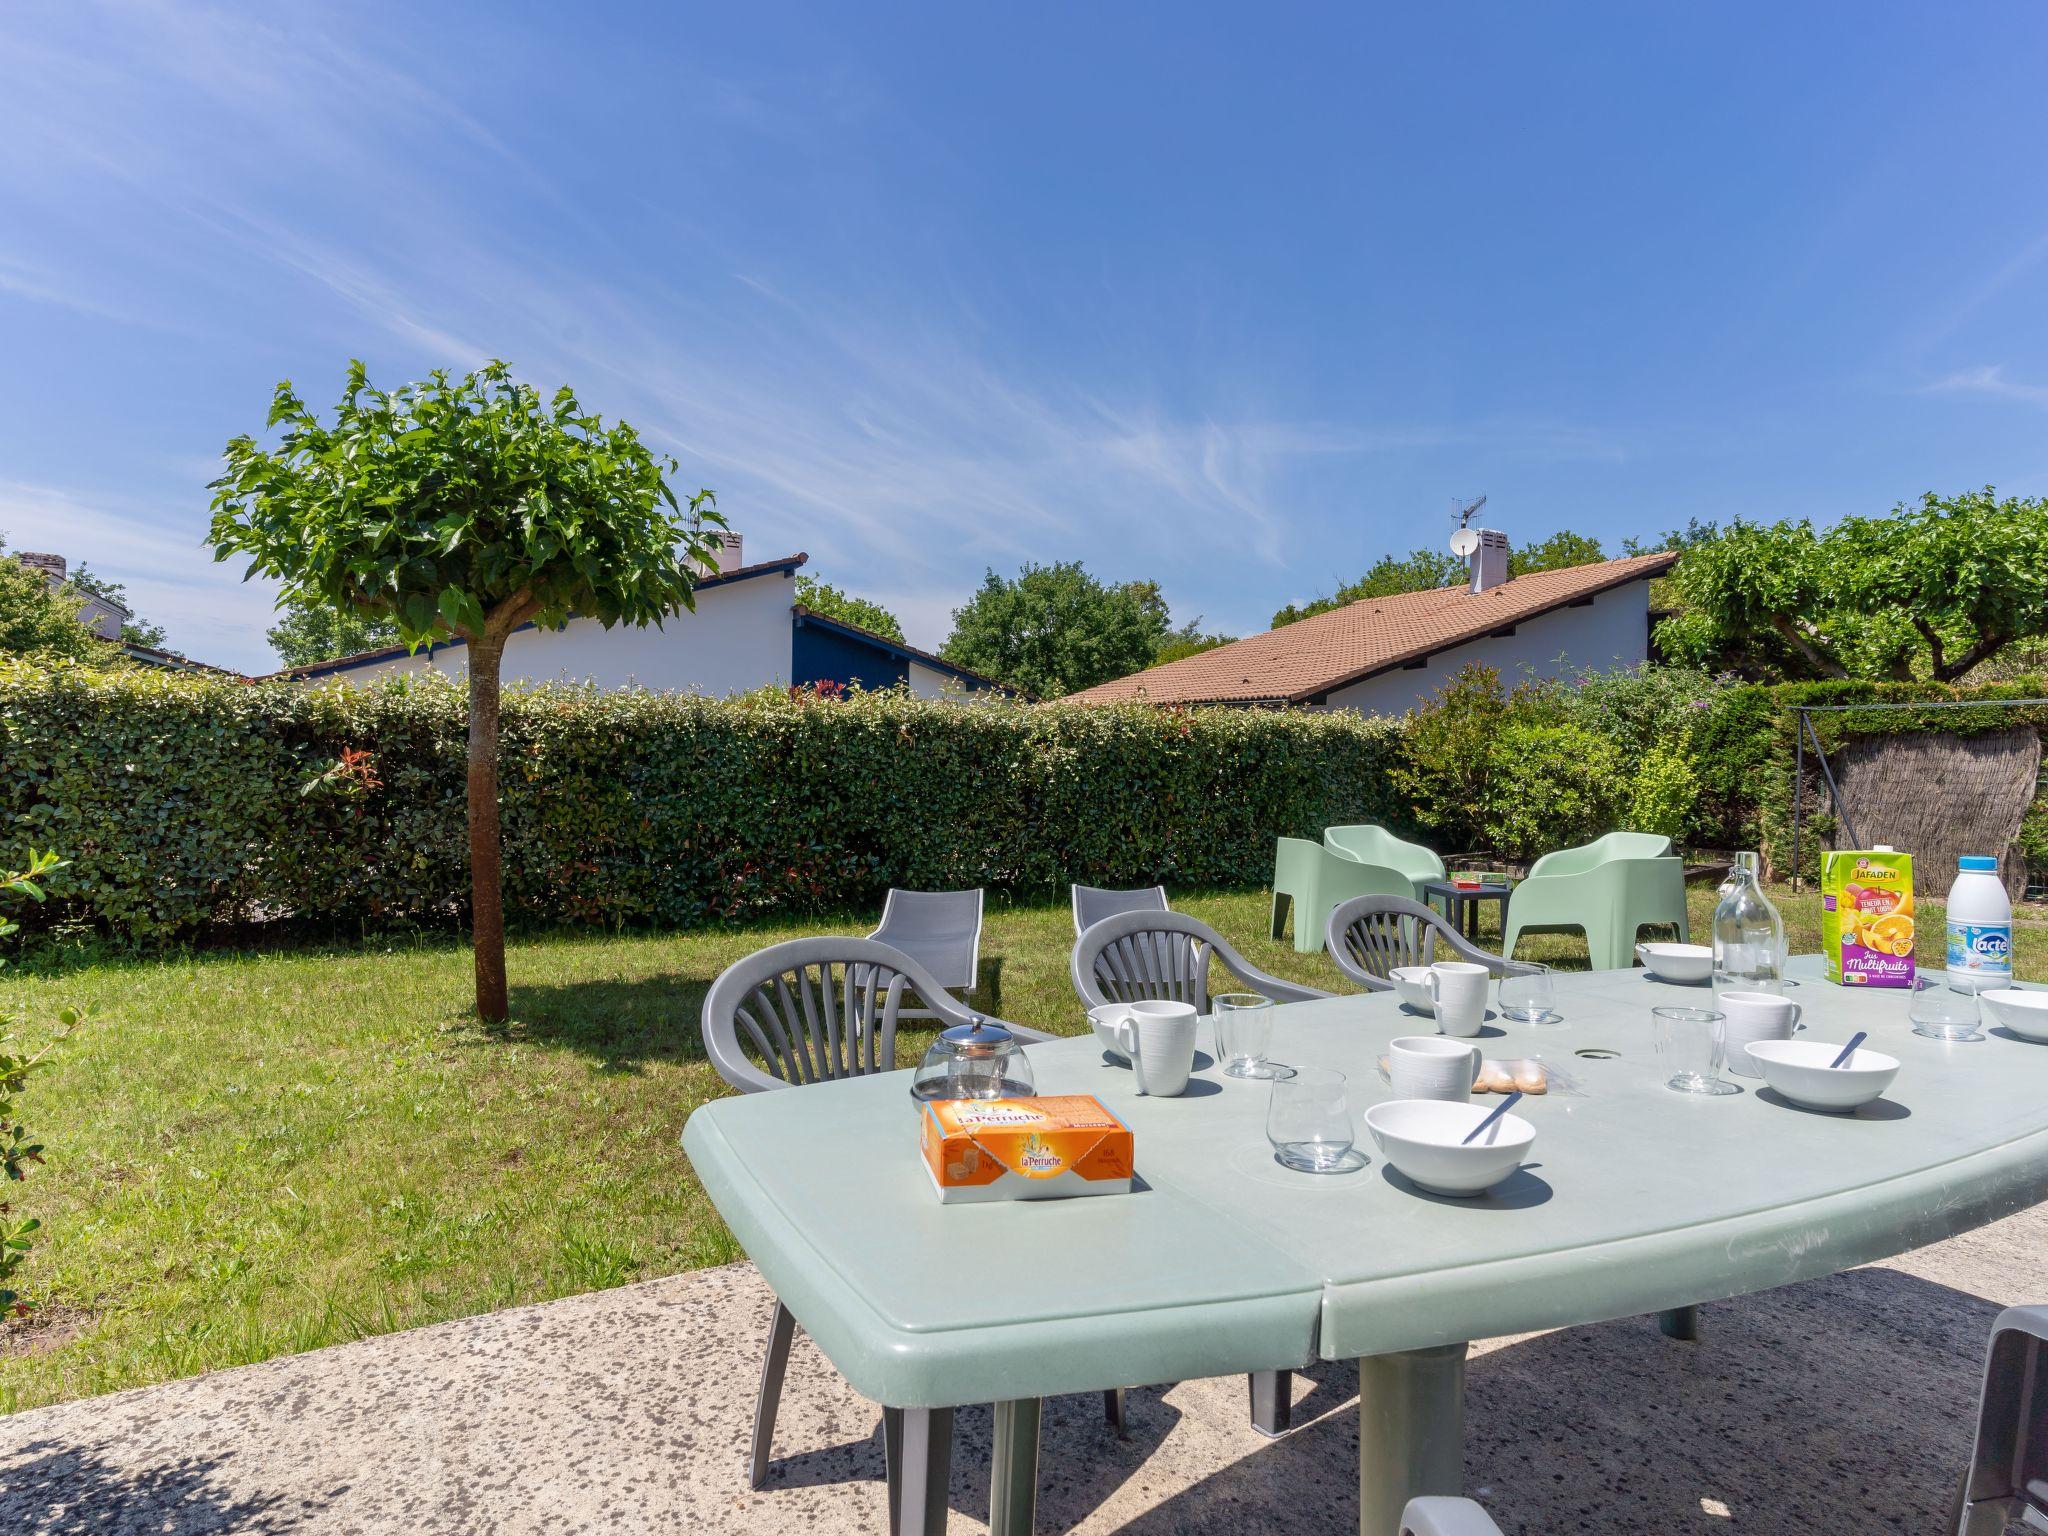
(2024, 1013)
(1799, 1070)
(1677, 962)
(1101, 1018)
(1421, 1138)
(1411, 982)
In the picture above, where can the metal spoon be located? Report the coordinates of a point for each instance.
(1849, 1050)
(1500, 1109)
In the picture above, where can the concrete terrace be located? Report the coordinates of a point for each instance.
(1840, 1405)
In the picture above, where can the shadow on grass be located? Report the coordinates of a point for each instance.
(47, 1485)
(624, 1023)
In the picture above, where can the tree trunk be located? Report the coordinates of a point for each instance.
(486, 899)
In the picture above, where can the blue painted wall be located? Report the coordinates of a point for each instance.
(818, 654)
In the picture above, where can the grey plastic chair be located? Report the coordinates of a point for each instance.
(941, 930)
(1439, 1516)
(1141, 955)
(1369, 935)
(2007, 1476)
(810, 1011)
(1092, 903)
(1138, 956)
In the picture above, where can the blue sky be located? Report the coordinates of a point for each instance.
(1233, 298)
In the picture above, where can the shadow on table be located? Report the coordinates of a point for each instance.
(46, 1485)
(1838, 1404)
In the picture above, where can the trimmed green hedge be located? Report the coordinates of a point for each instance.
(188, 804)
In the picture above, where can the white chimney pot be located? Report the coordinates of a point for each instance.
(1489, 562)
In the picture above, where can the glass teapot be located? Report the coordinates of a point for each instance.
(976, 1060)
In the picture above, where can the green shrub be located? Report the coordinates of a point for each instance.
(1551, 785)
(1446, 764)
(190, 804)
(1664, 793)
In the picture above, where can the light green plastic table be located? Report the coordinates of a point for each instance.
(1635, 1199)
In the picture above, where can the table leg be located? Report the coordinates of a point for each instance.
(918, 1447)
(1411, 1432)
(1272, 1402)
(1013, 1473)
(1680, 1323)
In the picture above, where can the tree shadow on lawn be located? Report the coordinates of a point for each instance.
(622, 1023)
(48, 1485)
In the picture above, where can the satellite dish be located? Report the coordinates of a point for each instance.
(1463, 542)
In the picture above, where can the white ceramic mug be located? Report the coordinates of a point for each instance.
(1431, 1067)
(1159, 1037)
(1753, 1017)
(1458, 989)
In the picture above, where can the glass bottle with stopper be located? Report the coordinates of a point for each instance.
(976, 1060)
(1749, 935)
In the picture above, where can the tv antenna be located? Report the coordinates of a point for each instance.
(1465, 540)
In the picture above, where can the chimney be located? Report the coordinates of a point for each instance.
(1489, 561)
(52, 566)
(729, 553)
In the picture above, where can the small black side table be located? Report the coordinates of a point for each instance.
(1461, 903)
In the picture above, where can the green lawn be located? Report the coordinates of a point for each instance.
(257, 1153)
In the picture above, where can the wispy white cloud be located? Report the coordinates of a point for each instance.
(208, 612)
(1989, 381)
(881, 423)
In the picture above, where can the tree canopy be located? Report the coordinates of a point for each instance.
(857, 611)
(1055, 629)
(311, 632)
(1931, 591)
(38, 620)
(1424, 570)
(463, 507)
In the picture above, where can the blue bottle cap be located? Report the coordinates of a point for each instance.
(1973, 861)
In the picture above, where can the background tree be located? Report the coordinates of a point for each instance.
(857, 611)
(37, 620)
(1931, 591)
(1054, 629)
(465, 509)
(135, 629)
(1425, 570)
(311, 632)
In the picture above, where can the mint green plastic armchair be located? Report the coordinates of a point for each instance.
(1609, 889)
(1311, 879)
(1369, 843)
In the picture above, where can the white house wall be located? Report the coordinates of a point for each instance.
(1612, 631)
(738, 639)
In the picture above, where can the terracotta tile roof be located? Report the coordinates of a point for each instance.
(1296, 663)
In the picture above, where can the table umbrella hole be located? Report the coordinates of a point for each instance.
(1597, 1053)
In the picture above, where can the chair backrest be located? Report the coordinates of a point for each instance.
(1371, 843)
(940, 928)
(1165, 955)
(1369, 935)
(2007, 1477)
(1602, 850)
(1092, 903)
(812, 1010)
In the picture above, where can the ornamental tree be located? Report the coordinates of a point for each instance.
(1930, 591)
(464, 509)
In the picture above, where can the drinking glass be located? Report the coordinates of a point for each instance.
(1940, 1012)
(1695, 1042)
(1244, 1031)
(1530, 997)
(1309, 1122)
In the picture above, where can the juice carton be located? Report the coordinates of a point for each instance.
(1866, 917)
(1024, 1149)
